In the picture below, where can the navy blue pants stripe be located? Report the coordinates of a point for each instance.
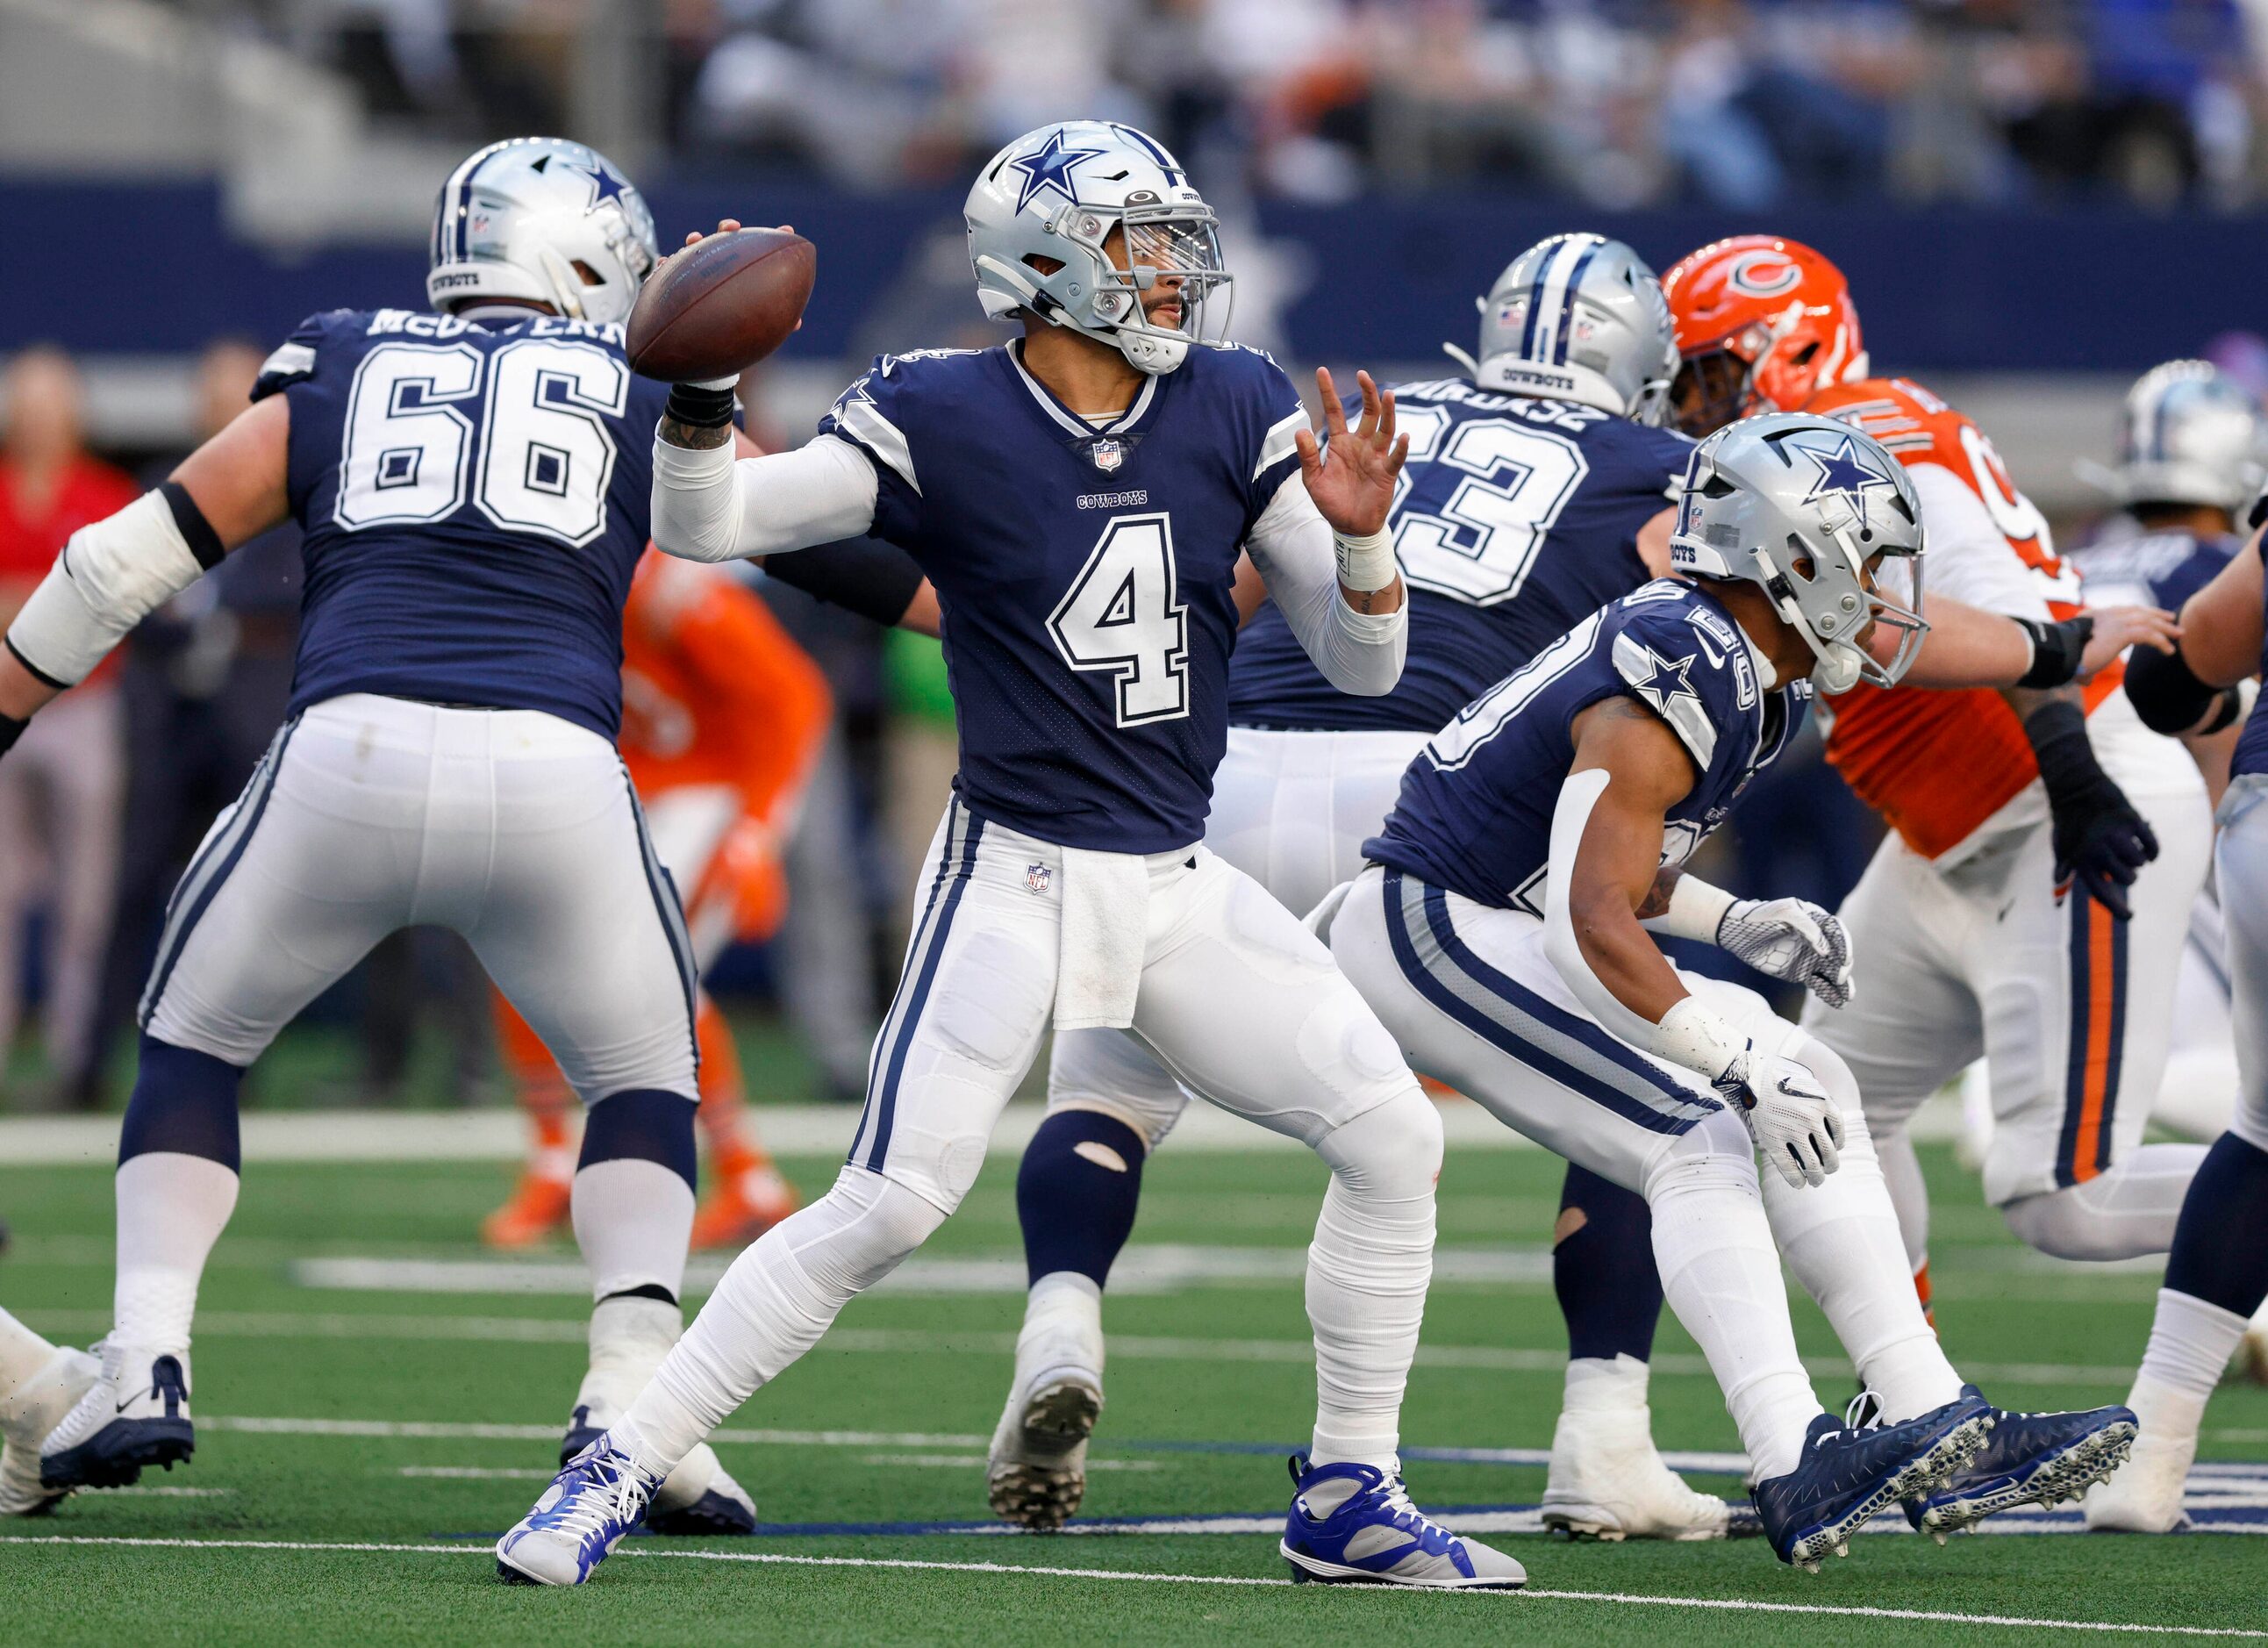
(915, 948)
(1674, 1108)
(884, 1102)
(671, 909)
(2097, 1041)
(211, 868)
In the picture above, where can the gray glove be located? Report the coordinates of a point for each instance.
(1791, 939)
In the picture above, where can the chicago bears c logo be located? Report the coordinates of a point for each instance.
(1764, 274)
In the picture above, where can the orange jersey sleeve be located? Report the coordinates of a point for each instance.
(715, 691)
(1937, 764)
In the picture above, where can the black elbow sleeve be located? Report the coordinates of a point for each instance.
(2165, 692)
(874, 580)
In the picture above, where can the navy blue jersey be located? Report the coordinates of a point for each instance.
(475, 498)
(1513, 519)
(2252, 753)
(2155, 569)
(1475, 812)
(1086, 574)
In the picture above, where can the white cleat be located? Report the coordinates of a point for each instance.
(1036, 1474)
(136, 1414)
(2144, 1496)
(32, 1410)
(1609, 1483)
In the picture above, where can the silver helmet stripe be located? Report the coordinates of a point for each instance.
(1537, 294)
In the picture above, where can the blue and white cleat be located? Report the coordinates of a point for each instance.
(599, 1497)
(1846, 1476)
(1354, 1525)
(2028, 1459)
(136, 1414)
(700, 1498)
(27, 1415)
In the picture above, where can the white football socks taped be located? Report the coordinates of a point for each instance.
(1063, 1327)
(1367, 1272)
(23, 1353)
(2191, 1343)
(1720, 1274)
(1606, 1384)
(172, 1209)
(1841, 1239)
(781, 1294)
(633, 1222)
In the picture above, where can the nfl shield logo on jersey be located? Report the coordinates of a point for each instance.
(1036, 877)
(1107, 455)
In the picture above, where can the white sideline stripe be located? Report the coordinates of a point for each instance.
(978, 1461)
(542, 1330)
(476, 1473)
(782, 1559)
(454, 1431)
(500, 1136)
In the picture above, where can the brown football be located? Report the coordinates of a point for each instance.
(721, 304)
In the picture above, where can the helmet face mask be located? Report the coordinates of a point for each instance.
(1075, 225)
(1580, 318)
(1808, 509)
(540, 220)
(1762, 324)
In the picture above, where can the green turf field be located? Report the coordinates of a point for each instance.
(435, 1409)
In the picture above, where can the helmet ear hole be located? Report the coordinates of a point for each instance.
(1044, 264)
(591, 277)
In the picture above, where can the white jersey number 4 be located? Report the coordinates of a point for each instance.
(1123, 614)
(545, 452)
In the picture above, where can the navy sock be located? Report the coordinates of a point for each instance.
(184, 1102)
(1076, 1193)
(2218, 1253)
(1603, 1270)
(646, 1124)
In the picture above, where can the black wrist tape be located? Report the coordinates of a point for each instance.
(2057, 650)
(702, 408)
(874, 580)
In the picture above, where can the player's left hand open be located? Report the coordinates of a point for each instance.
(1792, 939)
(2115, 629)
(1351, 480)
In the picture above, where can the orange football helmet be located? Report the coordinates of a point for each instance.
(1762, 324)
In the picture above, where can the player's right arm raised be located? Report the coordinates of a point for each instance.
(115, 573)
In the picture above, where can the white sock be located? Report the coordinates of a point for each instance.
(1721, 1275)
(172, 1209)
(1599, 1383)
(22, 1354)
(634, 1223)
(1368, 1271)
(2191, 1343)
(628, 1337)
(1909, 1192)
(1841, 1238)
(780, 1295)
(1063, 1325)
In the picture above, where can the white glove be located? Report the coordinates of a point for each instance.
(1790, 1116)
(1791, 939)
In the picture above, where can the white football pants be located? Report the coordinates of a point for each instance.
(1291, 811)
(1236, 998)
(1474, 1001)
(513, 828)
(2241, 857)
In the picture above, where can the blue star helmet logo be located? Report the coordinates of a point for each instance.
(1843, 473)
(1050, 167)
(605, 186)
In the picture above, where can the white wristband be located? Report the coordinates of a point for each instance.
(1698, 1037)
(1365, 563)
(1696, 910)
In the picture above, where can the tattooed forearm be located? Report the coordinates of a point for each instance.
(1386, 600)
(1656, 901)
(694, 437)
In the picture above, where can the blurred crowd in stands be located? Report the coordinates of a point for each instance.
(1740, 103)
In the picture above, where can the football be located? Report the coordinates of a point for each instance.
(721, 304)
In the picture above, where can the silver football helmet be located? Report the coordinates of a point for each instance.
(1038, 216)
(1805, 508)
(540, 220)
(1580, 318)
(2187, 434)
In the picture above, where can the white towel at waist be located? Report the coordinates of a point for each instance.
(1106, 930)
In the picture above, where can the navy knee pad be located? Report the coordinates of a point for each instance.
(2218, 1254)
(184, 1101)
(1603, 1271)
(645, 1125)
(1077, 1192)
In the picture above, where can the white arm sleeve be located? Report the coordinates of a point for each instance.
(110, 576)
(709, 506)
(1291, 543)
(1968, 556)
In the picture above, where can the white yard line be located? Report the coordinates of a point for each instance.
(546, 1330)
(780, 1559)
